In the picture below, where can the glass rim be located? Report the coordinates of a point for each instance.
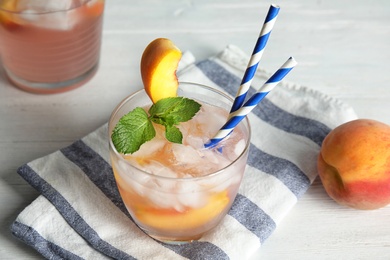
(210, 175)
(19, 12)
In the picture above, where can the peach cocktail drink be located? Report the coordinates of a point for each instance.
(52, 46)
(177, 192)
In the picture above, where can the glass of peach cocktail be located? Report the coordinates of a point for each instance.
(176, 190)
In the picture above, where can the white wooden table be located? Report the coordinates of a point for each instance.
(343, 50)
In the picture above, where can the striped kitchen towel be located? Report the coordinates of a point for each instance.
(80, 214)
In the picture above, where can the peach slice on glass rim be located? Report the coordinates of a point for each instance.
(94, 8)
(9, 19)
(159, 63)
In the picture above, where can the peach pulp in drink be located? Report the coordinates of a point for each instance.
(178, 192)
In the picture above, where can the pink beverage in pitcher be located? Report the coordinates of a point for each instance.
(50, 46)
(178, 192)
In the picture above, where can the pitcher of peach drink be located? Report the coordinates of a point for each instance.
(175, 189)
(50, 46)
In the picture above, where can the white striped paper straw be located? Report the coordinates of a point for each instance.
(236, 116)
(256, 56)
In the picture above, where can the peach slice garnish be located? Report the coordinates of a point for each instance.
(159, 63)
(95, 8)
(8, 19)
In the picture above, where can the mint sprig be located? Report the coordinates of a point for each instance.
(132, 130)
(136, 128)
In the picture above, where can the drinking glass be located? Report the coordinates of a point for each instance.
(50, 46)
(178, 210)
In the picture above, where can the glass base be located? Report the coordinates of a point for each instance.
(176, 241)
(51, 87)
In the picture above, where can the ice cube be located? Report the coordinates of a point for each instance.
(150, 147)
(54, 21)
(179, 207)
(49, 14)
(230, 177)
(193, 200)
(186, 155)
(164, 199)
(221, 187)
(211, 155)
(211, 121)
(192, 193)
(157, 168)
(138, 188)
(239, 147)
(194, 141)
(38, 6)
(137, 182)
(190, 185)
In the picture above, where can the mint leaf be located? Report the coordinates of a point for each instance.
(173, 134)
(132, 130)
(173, 110)
(170, 112)
(136, 127)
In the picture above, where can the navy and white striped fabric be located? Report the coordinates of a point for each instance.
(80, 214)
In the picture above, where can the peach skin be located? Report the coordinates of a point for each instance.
(159, 63)
(354, 164)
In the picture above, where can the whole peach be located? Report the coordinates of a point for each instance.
(354, 164)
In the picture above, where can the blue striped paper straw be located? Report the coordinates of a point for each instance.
(256, 56)
(236, 117)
